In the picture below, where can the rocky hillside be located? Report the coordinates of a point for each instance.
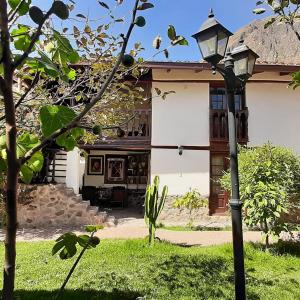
(277, 44)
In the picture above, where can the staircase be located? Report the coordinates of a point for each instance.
(56, 205)
(57, 168)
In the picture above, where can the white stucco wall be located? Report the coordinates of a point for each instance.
(180, 173)
(273, 114)
(183, 118)
(74, 172)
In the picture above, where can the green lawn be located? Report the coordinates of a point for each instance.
(122, 270)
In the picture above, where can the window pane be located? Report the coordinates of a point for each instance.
(222, 43)
(208, 44)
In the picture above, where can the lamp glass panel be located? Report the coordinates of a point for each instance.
(222, 42)
(251, 63)
(241, 66)
(208, 44)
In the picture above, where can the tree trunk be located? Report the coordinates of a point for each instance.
(266, 230)
(12, 162)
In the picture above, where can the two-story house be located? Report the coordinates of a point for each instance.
(184, 138)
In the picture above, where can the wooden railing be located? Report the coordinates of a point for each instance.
(219, 125)
(139, 127)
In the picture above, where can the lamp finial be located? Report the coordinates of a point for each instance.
(211, 13)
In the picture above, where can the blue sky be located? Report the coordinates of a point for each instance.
(185, 15)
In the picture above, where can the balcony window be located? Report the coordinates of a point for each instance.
(218, 99)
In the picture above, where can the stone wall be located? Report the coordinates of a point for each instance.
(55, 205)
(175, 216)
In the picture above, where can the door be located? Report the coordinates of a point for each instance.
(218, 197)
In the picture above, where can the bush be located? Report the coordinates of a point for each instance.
(269, 184)
(192, 201)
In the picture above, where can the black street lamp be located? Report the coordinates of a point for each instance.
(212, 40)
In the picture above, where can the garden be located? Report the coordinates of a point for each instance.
(74, 88)
(130, 269)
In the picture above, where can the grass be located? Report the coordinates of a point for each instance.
(129, 269)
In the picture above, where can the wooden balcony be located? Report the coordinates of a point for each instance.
(219, 125)
(139, 127)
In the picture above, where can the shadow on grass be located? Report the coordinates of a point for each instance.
(206, 278)
(281, 248)
(77, 295)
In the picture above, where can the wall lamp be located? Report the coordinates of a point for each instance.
(180, 150)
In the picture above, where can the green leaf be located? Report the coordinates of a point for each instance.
(171, 33)
(24, 7)
(72, 75)
(83, 240)
(68, 139)
(277, 214)
(26, 142)
(3, 165)
(77, 133)
(21, 37)
(93, 228)
(67, 242)
(26, 174)
(180, 40)
(35, 163)
(22, 43)
(54, 117)
(58, 246)
(64, 45)
(2, 142)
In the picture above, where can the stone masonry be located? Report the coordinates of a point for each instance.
(56, 206)
(175, 216)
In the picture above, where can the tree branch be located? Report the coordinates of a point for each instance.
(94, 101)
(11, 17)
(34, 39)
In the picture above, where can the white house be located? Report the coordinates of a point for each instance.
(184, 138)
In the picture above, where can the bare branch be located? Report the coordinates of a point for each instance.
(94, 101)
(33, 83)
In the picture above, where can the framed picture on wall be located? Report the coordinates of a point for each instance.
(95, 165)
(115, 169)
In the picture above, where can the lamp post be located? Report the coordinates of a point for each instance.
(212, 40)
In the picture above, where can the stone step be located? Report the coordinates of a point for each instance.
(93, 210)
(110, 221)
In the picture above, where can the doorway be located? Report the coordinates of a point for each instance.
(218, 200)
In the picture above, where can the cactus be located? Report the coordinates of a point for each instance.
(153, 206)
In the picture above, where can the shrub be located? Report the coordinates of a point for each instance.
(192, 201)
(269, 179)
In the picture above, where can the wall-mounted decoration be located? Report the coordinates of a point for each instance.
(95, 165)
(115, 168)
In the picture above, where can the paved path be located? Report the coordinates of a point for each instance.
(203, 238)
